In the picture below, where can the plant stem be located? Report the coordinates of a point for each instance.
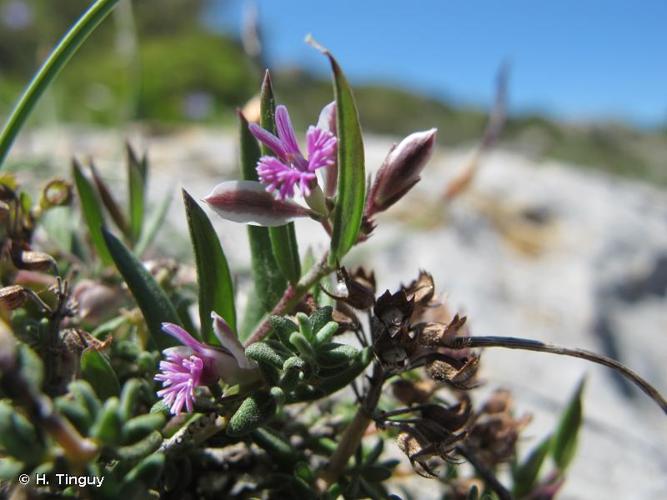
(291, 297)
(354, 432)
(69, 44)
(488, 476)
(535, 345)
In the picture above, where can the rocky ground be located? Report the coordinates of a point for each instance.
(532, 249)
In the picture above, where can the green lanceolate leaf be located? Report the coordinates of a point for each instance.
(268, 280)
(351, 174)
(97, 371)
(526, 473)
(150, 298)
(92, 212)
(109, 201)
(216, 291)
(136, 187)
(153, 224)
(564, 442)
(283, 238)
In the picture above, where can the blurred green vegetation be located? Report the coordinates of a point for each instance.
(153, 60)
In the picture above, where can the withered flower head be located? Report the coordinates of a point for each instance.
(411, 393)
(421, 292)
(434, 433)
(393, 340)
(360, 288)
(458, 373)
(495, 431)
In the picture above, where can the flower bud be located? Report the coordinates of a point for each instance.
(248, 202)
(13, 296)
(400, 171)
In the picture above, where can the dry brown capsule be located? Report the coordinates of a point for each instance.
(13, 296)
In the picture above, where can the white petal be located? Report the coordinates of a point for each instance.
(230, 341)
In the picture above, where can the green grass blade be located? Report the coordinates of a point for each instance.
(151, 299)
(216, 291)
(153, 224)
(137, 171)
(109, 201)
(92, 212)
(351, 174)
(283, 238)
(268, 281)
(69, 44)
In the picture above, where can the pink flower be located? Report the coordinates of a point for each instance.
(196, 364)
(289, 168)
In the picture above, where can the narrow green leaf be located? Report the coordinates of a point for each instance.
(109, 201)
(283, 238)
(65, 49)
(268, 280)
(136, 187)
(153, 224)
(564, 442)
(351, 174)
(526, 473)
(255, 410)
(96, 370)
(216, 290)
(150, 298)
(92, 212)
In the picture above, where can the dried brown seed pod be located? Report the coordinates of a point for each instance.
(13, 296)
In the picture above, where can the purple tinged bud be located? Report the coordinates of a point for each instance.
(400, 171)
(248, 202)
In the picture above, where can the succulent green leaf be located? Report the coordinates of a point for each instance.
(75, 413)
(18, 437)
(326, 333)
(92, 212)
(335, 355)
(564, 442)
(129, 398)
(351, 174)
(108, 425)
(302, 345)
(97, 371)
(85, 395)
(283, 328)
(320, 317)
(255, 410)
(141, 448)
(147, 471)
(275, 445)
(150, 298)
(216, 290)
(264, 354)
(139, 427)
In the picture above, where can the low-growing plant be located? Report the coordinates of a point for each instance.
(111, 389)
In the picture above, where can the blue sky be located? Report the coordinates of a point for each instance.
(577, 60)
